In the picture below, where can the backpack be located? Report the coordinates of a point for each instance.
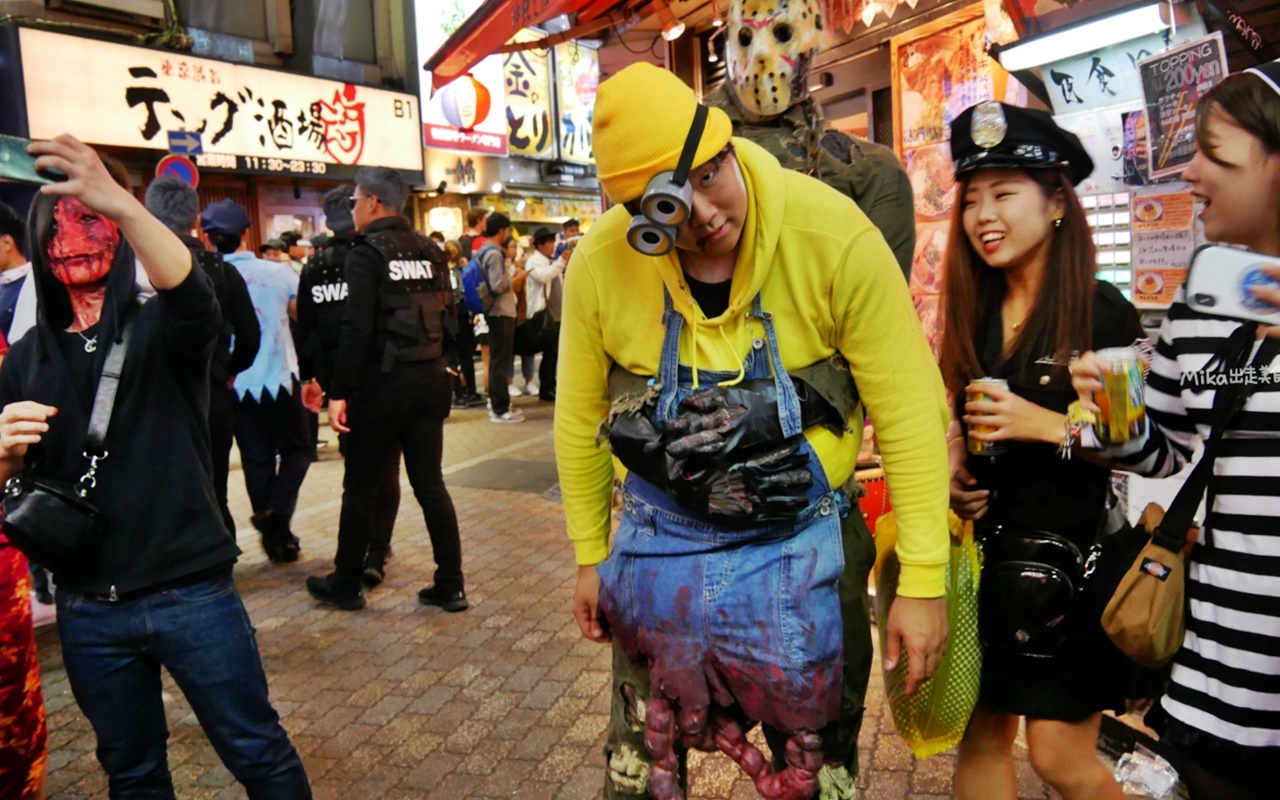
(475, 284)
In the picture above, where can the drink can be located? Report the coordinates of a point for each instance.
(976, 391)
(1122, 413)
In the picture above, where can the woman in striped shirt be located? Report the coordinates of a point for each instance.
(1222, 709)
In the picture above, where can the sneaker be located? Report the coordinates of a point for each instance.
(476, 400)
(451, 601)
(460, 402)
(326, 591)
(531, 389)
(514, 391)
(373, 575)
(511, 416)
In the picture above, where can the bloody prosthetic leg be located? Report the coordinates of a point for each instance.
(719, 729)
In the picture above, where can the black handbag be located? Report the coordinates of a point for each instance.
(55, 523)
(1033, 584)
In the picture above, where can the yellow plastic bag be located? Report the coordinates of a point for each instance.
(934, 718)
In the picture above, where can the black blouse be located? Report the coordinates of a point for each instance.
(1031, 484)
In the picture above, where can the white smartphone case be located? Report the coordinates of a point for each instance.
(1219, 280)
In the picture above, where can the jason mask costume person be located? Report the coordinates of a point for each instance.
(770, 46)
(711, 316)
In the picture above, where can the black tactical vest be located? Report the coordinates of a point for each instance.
(215, 267)
(327, 287)
(325, 290)
(415, 293)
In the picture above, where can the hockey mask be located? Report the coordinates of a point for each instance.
(770, 48)
(82, 244)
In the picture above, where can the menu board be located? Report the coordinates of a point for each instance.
(1163, 242)
(1172, 85)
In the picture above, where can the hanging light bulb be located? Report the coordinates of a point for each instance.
(717, 20)
(672, 28)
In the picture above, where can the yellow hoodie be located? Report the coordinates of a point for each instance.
(832, 285)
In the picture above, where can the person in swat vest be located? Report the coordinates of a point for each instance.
(390, 388)
(767, 99)
(322, 299)
(174, 202)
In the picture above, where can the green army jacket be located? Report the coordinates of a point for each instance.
(869, 173)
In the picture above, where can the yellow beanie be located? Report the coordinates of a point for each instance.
(642, 117)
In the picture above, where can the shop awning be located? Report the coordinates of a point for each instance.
(494, 23)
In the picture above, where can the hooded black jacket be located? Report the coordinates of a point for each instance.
(155, 486)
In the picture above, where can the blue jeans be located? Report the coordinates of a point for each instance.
(201, 634)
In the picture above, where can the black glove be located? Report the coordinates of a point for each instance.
(734, 422)
(638, 445)
(768, 487)
(718, 421)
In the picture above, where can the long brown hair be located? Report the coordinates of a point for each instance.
(1061, 318)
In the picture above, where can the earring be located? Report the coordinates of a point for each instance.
(1057, 223)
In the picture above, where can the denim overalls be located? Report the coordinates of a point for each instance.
(745, 615)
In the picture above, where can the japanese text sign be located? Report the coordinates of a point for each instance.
(1172, 84)
(113, 94)
(530, 120)
(577, 76)
(1163, 242)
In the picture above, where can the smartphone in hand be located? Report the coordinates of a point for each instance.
(1219, 281)
(16, 164)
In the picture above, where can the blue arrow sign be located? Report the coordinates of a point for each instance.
(185, 143)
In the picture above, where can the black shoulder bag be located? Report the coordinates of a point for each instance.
(55, 523)
(1032, 582)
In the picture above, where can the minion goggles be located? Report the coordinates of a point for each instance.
(667, 202)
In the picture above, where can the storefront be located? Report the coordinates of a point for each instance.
(512, 135)
(274, 141)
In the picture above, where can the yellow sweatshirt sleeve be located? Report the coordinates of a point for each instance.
(878, 332)
(582, 402)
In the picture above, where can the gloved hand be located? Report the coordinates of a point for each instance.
(767, 487)
(718, 421)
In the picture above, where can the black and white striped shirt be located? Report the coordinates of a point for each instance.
(1226, 678)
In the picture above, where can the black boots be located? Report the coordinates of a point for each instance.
(281, 546)
(327, 590)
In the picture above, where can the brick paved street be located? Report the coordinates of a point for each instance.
(400, 701)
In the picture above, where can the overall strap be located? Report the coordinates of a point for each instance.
(669, 365)
(788, 401)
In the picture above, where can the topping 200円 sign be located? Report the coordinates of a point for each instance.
(246, 118)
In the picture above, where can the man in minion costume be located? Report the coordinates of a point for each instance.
(729, 319)
(770, 46)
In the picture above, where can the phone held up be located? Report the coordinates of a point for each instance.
(1219, 281)
(16, 164)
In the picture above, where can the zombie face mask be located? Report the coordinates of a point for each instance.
(81, 245)
(770, 49)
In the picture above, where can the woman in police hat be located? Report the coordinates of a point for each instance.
(1020, 299)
